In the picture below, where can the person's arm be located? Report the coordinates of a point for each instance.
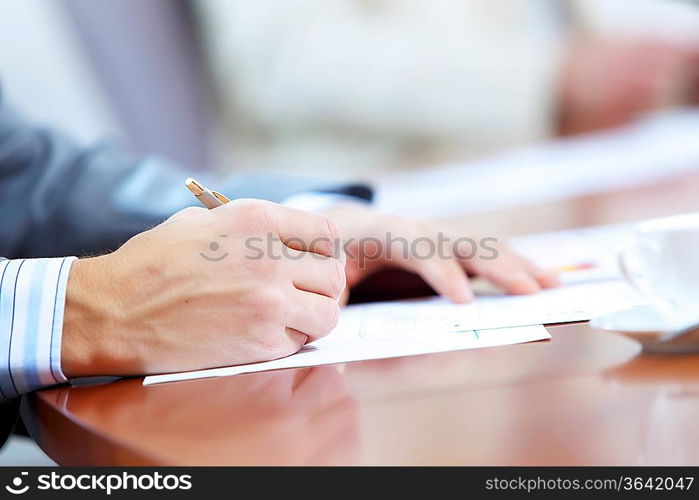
(32, 296)
(168, 300)
(61, 318)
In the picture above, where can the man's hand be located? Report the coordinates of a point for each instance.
(609, 82)
(375, 241)
(246, 282)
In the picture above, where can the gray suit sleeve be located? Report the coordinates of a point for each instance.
(59, 199)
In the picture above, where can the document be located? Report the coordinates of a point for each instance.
(579, 255)
(569, 303)
(349, 343)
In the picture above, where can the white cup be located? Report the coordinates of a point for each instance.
(661, 261)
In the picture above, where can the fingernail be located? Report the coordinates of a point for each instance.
(524, 283)
(467, 293)
(548, 279)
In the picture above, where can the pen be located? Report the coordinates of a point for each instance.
(210, 199)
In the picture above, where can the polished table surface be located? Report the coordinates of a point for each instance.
(585, 397)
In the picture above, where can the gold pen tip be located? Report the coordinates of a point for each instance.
(196, 188)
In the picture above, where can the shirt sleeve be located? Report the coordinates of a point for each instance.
(32, 299)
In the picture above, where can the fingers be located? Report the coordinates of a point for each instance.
(312, 314)
(512, 273)
(308, 232)
(440, 270)
(444, 275)
(316, 273)
(344, 298)
(511, 277)
(297, 229)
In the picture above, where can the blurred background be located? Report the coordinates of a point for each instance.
(500, 116)
(382, 90)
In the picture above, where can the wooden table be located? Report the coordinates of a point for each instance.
(585, 397)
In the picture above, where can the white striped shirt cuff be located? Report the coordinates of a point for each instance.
(32, 298)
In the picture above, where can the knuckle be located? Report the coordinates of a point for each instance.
(270, 341)
(246, 203)
(327, 231)
(270, 303)
(326, 237)
(270, 265)
(185, 213)
(252, 210)
(189, 211)
(335, 316)
(338, 278)
(330, 317)
(331, 229)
